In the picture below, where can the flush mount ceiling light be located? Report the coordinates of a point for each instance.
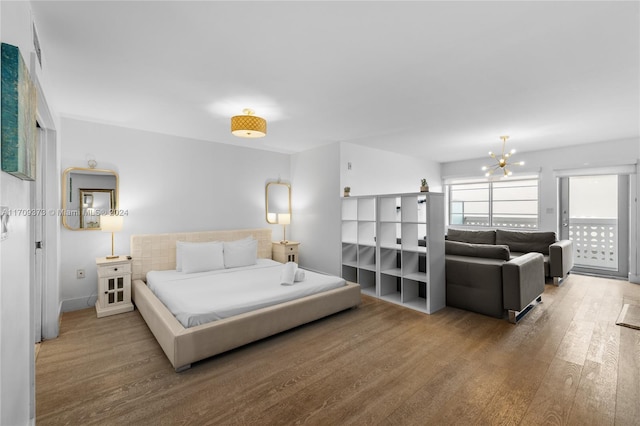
(503, 161)
(248, 125)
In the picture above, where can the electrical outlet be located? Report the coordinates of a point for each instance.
(80, 273)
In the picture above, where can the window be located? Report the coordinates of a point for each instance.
(505, 203)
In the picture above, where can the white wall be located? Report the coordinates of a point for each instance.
(318, 178)
(374, 171)
(634, 227)
(548, 162)
(167, 184)
(315, 193)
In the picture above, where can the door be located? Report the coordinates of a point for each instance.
(595, 216)
(37, 232)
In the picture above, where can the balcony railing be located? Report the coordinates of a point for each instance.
(500, 222)
(595, 242)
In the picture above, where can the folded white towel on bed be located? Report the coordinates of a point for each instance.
(288, 274)
(299, 275)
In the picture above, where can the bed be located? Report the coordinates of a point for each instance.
(186, 345)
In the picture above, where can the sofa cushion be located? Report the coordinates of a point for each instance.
(475, 284)
(526, 241)
(473, 237)
(477, 250)
(545, 258)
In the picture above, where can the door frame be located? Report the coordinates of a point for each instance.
(624, 214)
(49, 305)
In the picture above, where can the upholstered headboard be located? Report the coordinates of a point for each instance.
(157, 252)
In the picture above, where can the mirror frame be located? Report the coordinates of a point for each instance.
(266, 199)
(65, 177)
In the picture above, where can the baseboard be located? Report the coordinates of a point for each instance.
(633, 278)
(79, 303)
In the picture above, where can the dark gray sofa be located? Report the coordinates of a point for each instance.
(485, 279)
(557, 255)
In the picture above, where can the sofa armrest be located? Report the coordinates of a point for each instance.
(560, 258)
(522, 281)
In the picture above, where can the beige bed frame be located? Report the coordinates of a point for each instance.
(184, 346)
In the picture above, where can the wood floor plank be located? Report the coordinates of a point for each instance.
(628, 389)
(566, 362)
(515, 393)
(575, 344)
(552, 403)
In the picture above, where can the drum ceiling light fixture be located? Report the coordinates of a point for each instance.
(248, 125)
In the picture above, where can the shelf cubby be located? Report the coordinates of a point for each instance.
(350, 273)
(349, 209)
(350, 231)
(413, 294)
(390, 262)
(367, 233)
(367, 281)
(410, 263)
(367, 258)
(409, 208)
(350, 254)
(389, 234)
(390, 288)
(367, 209)
(389, 209)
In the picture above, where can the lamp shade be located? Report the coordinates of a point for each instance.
(110, 223)
(248, 125)
(284, 218)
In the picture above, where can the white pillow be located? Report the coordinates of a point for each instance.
(200, 257)
(240, 253)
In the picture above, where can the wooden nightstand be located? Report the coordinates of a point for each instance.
(114, 286)
(285, 251)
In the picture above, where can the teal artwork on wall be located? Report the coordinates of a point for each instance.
(18, 98)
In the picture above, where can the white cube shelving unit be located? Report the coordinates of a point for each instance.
(393, 246)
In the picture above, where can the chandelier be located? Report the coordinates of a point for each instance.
(248, 125)
(502, 161)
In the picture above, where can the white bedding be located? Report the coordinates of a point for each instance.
(203, 297)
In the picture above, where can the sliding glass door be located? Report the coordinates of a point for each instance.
(595, 216)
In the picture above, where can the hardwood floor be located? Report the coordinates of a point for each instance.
(566, 362)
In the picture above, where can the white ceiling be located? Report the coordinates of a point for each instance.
(439, 80)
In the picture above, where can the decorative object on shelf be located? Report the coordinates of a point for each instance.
(111, 223)
(424, 186)
(248, 125)
(284, 219)
(347, 191)
(502, 161)
(18, 116)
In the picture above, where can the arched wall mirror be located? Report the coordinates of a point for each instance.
(277, 201)
(87, 194)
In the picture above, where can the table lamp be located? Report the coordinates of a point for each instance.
(284, 219)
(111, 224)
